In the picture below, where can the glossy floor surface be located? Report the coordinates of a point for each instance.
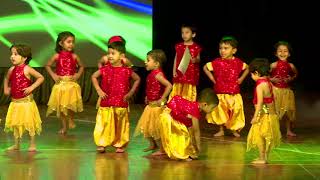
(74, 157)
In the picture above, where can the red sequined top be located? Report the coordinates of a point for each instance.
(66, 65)
(18, 82)
(226, 73)
(115, 82)
(181, 107)
(191, 76)
(266, 100)
(154, 89)
(282, 71)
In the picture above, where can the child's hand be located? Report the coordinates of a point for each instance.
(189, 116)
(7, 91)
(193, 60)
(254, 121)
(75, 77)
(56, 78)
(127, 96)
(239, 81)
(102, 94)
(275, 79)
(28, 90)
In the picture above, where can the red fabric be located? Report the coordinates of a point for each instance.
(115, 39)
(266, 100)
(115, 83)
(191, 76)
(66, 65)
(226, 73)
(283, 70)
(18, 82)
(154, 88)
(181, 107)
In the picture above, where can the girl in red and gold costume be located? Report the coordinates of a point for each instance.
(112, 121)
(227, 73)
(65, 96)
(265, 132)
(157, 90)
(23, 114)
(179, 125)
(282, 73)
(186, 65)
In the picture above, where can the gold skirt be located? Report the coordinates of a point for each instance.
(148, 123)
(265, 131)
(112, 127)
(65, 96)
(285, 103)
(187, 91)
(177, 140)
(23, 115)
(229, 112)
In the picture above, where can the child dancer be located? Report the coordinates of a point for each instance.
(264, 133)
(179, 125)
(65, 96)
(282, 73)
(186, 65)
(157, 90)
(228, 73)
(23, 114)
(112, 122)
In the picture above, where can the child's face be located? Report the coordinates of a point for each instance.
(151, 64)
(187, 34)
(207, 108)
(283, 52)
(226, 51)
(16, 59)
(68, 43)
(255, 76)
(114, 56)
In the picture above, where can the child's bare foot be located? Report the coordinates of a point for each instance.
(62, 131)
(158, 153)
(188, 159)
(32, 148)
(100, 149)
(120, 150)
(235, 133)
(259, 161)
(219, 134)
(13, 148)
(72, 125)
(290, 133)
(150, 148)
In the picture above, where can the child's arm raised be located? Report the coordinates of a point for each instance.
(134, 87)
(165, 83)
(95, 82)
(29, 71)
(7, 88)
(51, 61)
(77, 75)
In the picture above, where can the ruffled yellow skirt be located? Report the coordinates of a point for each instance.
(285, 103)
(229, 112)
(65, 96)
(148, 124)
(177, 140)
(23, 115)
(266, 133)
(112, 127)
(187, 91)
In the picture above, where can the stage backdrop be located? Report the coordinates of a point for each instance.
(38, 22)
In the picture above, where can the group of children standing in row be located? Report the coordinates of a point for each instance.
(170, 119)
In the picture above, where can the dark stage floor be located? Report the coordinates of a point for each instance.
(74, 156)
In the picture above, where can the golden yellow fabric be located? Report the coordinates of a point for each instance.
(148, 123)
(23, 115)
(285, 103)
(65, 96)
(177, 140)
(266, 133)
(187, 91)
(112, 127)
(229, 112)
